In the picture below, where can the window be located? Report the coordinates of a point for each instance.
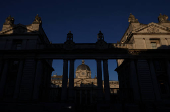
(153, 45)
(82, 73)
(17, 44)
(154, 42)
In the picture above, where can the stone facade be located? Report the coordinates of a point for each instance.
(83, 79)
(143, 69)
(149, 78)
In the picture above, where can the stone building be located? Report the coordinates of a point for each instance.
(149, 77)
(19, 73)
(142, 56)
(83, 78)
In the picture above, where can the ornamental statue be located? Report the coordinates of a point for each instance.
(100, 36)
(9, 20)
(37, 20)
(132, 19)
(163, 18)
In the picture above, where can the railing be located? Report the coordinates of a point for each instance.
(87, 95)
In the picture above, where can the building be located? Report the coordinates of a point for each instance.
(143, 61)
(149, 78)
(83, 78)
(21, 72)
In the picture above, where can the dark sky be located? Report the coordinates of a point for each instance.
(84, 18)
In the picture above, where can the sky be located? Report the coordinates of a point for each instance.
(84, 18)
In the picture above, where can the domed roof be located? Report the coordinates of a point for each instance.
(83, 67)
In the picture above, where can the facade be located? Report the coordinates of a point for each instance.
(143, 61)
(149, 78)
(83, 78)
(19, 74)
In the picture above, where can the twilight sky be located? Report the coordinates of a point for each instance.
(84, 18)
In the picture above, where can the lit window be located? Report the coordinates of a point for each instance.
(154, 42)
(153, 45)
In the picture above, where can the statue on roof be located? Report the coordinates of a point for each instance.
(163, 18)
(70, 36)
(100, 36)
(9, 20)
(37, 20)
(132, 19)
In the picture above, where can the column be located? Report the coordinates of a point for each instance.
(154, 80)
(134, 80)
(3, 78)
(64, 80)
(80, 95)
(24, 43)
(71, 80)
(18, 81)
(106, 81)
(86, 95)
(99, 79)
(168, 70)
(1, 66)
(91, 96)
(75, 96)
(37, 82)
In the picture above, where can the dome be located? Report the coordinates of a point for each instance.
(83, 67)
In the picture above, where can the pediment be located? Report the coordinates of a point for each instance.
(17, 29)
(152, 28)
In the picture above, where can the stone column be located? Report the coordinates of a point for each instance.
(71, 80)
(106, 80)
(80, 96)
(1, 66)
(75, 96)
(3, 78)
(86, 95)
(37, 82)
(64, 80)
(99, 80)
(24, 43)
(168, 70)
(154, 81)
(19, 78)
(91, 96)
(134, 80)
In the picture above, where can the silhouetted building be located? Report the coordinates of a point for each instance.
(143, 69)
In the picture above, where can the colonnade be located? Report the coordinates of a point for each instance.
(70, 91)
(71, 80)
